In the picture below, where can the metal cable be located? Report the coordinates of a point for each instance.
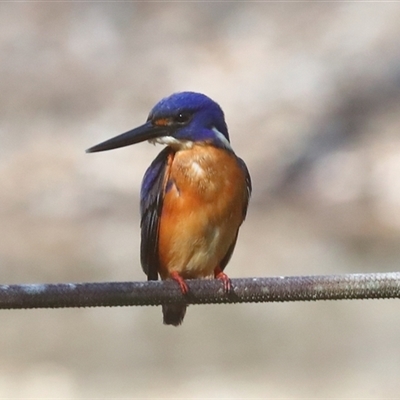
(244, 290)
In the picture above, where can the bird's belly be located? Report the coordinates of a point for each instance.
(202, 211)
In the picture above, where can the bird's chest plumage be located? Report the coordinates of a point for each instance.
(205, 192)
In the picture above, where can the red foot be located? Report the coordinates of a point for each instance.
(224, 278)
(182, 284)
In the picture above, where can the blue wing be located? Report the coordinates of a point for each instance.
(151, 202)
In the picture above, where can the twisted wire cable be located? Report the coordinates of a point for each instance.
(244, 290)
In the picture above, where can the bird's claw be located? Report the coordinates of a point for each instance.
(225, 280)
(181, 282)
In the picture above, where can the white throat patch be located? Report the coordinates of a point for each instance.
(188, 144)
(174, 143)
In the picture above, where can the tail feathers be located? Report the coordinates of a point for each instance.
(173, 314)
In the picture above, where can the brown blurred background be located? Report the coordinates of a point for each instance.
(311, 94)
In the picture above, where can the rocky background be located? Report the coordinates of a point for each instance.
(311, 93)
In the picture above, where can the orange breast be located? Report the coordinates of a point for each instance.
(202, 211)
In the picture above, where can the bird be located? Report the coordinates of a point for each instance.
(194, 196)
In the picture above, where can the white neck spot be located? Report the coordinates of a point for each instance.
(222, 138)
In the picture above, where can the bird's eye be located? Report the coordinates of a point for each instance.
(182, 118)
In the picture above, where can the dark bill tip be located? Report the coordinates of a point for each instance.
(137, 135)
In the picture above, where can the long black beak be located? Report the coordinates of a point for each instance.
(144, 132)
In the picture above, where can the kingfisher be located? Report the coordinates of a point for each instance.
(194, 195)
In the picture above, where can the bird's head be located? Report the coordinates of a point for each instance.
(179, 121)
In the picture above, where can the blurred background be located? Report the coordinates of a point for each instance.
(311, 94)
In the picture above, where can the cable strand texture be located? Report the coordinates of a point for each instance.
(244, 290)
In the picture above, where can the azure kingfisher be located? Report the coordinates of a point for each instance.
(194, 195)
